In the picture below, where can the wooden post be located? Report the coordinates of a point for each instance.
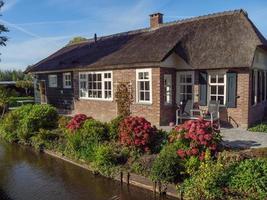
(121, 178)
(128, 178)
(159, 187)
(155, 187)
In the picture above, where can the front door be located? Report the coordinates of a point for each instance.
(185, 87)
(42, 88)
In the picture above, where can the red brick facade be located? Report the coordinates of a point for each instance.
(160, 114)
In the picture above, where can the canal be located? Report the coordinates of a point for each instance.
(28, 175)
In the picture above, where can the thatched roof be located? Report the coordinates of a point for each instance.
(221, 40)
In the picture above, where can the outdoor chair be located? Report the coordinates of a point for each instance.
(213, 114)
(185, 111)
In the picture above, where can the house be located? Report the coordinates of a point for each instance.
(220, 56)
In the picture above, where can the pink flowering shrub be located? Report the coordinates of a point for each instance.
(77, 121)
(136, 132)
(200, 135)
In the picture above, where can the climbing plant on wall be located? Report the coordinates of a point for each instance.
(124, 98)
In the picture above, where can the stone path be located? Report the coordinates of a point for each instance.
(240, 138)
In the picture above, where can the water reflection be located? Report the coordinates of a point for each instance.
(29, 175)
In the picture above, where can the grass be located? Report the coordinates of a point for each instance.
(262, 127)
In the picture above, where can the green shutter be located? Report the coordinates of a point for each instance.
(231, 90)
(203, 77)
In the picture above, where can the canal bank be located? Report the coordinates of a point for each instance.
(126, 177)
(27, 174)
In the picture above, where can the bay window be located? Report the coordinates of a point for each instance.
(144, 86)
(217, 87)
(96, 85)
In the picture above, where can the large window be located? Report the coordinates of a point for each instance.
(67, 80)
(167, 89)
(52, 81)
(143, 83)
(185, 86)
(217, 87)
(96, 85)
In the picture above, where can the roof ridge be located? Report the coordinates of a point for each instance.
(207, 16)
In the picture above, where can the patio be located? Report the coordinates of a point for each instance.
(239, 138)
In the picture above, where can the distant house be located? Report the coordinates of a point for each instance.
(221, 56)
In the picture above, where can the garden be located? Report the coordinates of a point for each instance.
(190, 156)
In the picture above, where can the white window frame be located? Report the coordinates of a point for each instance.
(103, 80)
(150, 85)
(168, 78)
(217, 73)
(65, 80)
(52, 84)
(178, 76)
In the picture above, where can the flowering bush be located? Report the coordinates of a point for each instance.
(136, 132)
(200, 135)
(77, 121)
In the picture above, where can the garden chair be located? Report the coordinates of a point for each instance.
(213, 114)
(185, 111)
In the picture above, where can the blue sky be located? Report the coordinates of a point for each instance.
(40, 27)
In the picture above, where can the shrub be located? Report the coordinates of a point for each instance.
(259, 128)
(44, 137)
(205, 183)
(94, 131)
(34, 118)
(104, 159)
(249, 179)
(159, 140)
(143, 164)
(168, 167)
(113, 128)
(136, 132)
(200, 135)
(8, 130)
(63, 121)
(77, 121)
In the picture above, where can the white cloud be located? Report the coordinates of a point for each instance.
(20, 55)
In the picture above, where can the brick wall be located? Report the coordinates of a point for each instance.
(107, 110)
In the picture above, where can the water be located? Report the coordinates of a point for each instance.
(29, 175)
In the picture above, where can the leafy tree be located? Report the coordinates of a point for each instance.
(3, 39)
(25, 84)
(13, 75)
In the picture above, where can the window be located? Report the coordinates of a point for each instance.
(67, 80)
(52, 81)
(167, 88)
(143, 83)
(217, 87)
(96, 85)
(259, 84)
(185, 86)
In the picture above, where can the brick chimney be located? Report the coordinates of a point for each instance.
(155, 20)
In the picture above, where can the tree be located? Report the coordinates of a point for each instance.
(25, 84)
(3, 29)
(76, 40)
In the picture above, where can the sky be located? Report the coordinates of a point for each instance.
(40, 27)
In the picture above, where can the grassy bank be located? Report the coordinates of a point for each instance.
(190, 156)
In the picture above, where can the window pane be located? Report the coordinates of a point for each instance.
(142, 85)
(189, 78)
(188, 97)
(213, 89)
(213, 98)
(189, 89)
(213, 79)
(182, 78)
(221, 90)
(147, 97)
(221, 99)
(146, 85)
(142, 96)
(220, 79)
(182, 89)
(140, 75)
(146, 75)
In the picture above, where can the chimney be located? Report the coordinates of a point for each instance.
(155, 20)
(95, 37)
